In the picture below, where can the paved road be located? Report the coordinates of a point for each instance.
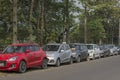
(100, 69)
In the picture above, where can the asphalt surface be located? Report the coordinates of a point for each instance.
(99, 69)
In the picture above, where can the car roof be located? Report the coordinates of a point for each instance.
(54, 44)
(76, 44)
(91, 44)
(23, 44)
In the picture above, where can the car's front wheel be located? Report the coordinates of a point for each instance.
(57, 63)
(71, 60)
(22, 67)
(88, 59)
(93, 56)
(78, 59)
(44, 64)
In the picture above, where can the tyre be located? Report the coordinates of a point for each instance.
(71, 60)
(88, 59)
(57, 63)
(22, 67)
(44, 64)
(78, 59)
(93, 56)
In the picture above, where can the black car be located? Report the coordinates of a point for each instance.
(105, 51)
(79, 51)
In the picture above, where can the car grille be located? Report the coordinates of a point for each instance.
(2, 63)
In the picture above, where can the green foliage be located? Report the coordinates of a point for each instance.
(59, 17)
(95, 31)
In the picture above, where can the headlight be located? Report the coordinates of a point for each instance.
(12, 59)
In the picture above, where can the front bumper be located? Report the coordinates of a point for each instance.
(91, 55)
(8, 66)
(51, 61)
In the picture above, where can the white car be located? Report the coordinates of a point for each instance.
(93, 50)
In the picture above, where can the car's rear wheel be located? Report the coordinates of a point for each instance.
(44, 64)
(22, 67)
(57, 63)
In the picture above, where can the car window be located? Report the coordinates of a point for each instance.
(31, 48)
(77, 47)
(66, 47)
(82, 47)
(36, 47)
(62, 48)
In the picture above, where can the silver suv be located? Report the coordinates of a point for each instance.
(58, 53)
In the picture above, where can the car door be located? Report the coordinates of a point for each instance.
(30, 56)
(37, 54)
(97, 51)
(84, 52)
(67, 52)
(62, 53)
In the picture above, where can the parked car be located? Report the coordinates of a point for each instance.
(118, 49)
(19, 57)
(79, 51)
(93, 50)
(105, 51)
(113, 49)
(58, 53)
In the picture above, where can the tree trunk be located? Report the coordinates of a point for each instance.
(14, 21)
(30, 22)
(39, 21)
(66, 21)
(85, 25)
(42, 22)
(119, 33)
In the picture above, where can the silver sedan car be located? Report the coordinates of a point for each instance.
(58, 53)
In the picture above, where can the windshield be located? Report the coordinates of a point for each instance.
(90, 46)
(110, 46)
(14, 49)
(72, 45)
(51, 47)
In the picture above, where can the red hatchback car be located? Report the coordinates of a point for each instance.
(19, 57)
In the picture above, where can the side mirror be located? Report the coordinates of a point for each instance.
(62, 51)
(27, 51)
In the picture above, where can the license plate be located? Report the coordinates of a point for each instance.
(1, 64)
